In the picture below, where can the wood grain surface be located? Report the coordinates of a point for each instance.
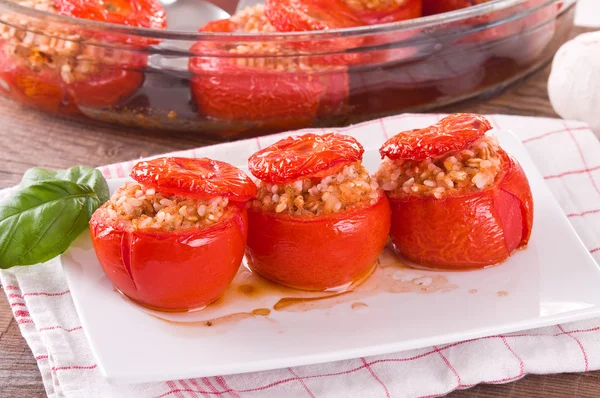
(28, 139)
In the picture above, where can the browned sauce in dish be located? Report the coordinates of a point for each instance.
(390, 276)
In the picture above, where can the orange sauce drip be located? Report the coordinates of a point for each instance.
(261, 297)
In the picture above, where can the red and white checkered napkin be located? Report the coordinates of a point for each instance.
(567, 154)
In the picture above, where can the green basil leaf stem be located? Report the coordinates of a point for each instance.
(77, 174)
(40, 221)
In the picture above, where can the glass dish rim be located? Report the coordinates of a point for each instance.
(392, 27)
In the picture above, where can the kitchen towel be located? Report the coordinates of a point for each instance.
(567, 155)
(587, 13)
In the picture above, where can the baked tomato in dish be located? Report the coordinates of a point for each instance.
(458, 200)
(311, 15)
(262, 86)
(319, 221)
(65, 67)
(307, 15)
(372, 12)
(175, 251)
(431, 7)
(138, 13)
(41, 89)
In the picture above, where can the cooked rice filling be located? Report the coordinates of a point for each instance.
(145, 208)
(471, 169)
(351, 187)
(253, 20)
(56, 48)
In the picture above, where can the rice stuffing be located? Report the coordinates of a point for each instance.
(471, 169)
(253, 20)
(349, 188)
(39, 45)
(145, 208)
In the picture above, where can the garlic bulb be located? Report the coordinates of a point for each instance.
(574, 84)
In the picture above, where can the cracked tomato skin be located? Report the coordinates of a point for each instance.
(317, 252)
(171, 271)
(455, 132)
(469, 230)
(389, 11)
(225, 90)
(308, 155)
(199, 178)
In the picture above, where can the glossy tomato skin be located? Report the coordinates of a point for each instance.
(171, 271)
(46, 85)
(199, 178)
(465, 231)
(320, 252)
(286, 98)
(307, 15)
(138, 13)
(399, 11)
(431, 7)
(223, 89)
(42, 89)
(111, 83)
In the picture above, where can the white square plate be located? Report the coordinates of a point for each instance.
(553, 280)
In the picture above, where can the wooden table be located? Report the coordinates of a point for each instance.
(30, 139)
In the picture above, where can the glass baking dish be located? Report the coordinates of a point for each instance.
(230, 85)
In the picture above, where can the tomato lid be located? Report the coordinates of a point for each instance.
(307, 15)
(308, 155)
(196, 178)
(452, 133)
(138, 13)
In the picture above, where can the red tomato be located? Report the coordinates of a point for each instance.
(386, 10)
(110, 85)
(431, 7)
(308, 155)
(171, 271)
(309, 15)
(114, 82)
(47, 86)
(39, 89)
(195, 178)
(263, 89)
(138, 13)
(317, 252)
(452, 133)
(306, 15)
(470, 230)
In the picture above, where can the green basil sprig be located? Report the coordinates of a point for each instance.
(50, 209)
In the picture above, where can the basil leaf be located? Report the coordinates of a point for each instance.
(40, 221)
(78, 174)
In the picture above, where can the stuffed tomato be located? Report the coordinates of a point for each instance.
(311, 15)
(319, 221)
(64, 67)
(175, 239)
(458, 200)
(261, 86)
(306, 15)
